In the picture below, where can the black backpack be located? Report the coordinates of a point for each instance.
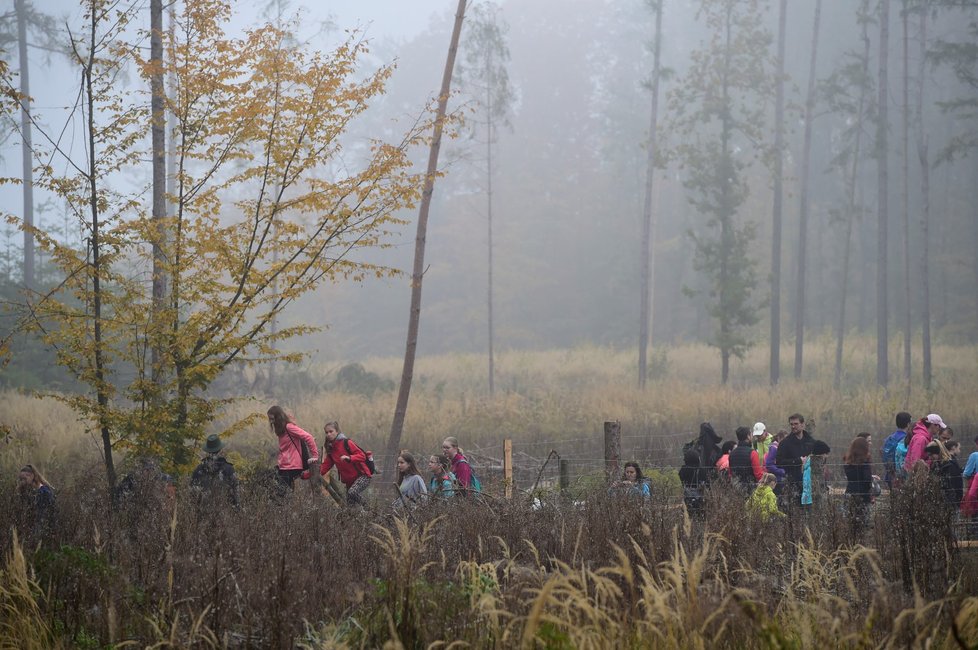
(303, 450)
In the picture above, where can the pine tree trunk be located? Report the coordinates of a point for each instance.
(414, 317)
(803, 207)
(882, 159)
(924, 159)
(775, 369)
(490, 124)
(905, 198)
(26, 145)
(851, 210)
(648, 214)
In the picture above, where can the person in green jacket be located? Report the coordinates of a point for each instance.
(762, 501)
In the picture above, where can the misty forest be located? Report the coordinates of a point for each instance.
(488, 323)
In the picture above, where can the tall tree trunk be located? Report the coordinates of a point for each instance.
(775, 369)
(101, 388)
(417, 275)
(905, 198)
(806, 156)
(925, 203)
(882, 159)
(158, 131)
(490, 123)
(648, 214)
(26, 145)
(851, 208)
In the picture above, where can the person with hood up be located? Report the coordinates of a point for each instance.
(708, 448)
(926, 430)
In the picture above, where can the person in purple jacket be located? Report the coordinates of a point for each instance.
(771, 460)
(460, 464)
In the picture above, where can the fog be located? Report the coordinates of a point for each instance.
(569, 168)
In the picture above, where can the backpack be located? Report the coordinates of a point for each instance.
(475, 485)
(900, 455)
(371, 467)
(303, 449)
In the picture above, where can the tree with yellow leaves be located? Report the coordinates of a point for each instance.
(258, 218)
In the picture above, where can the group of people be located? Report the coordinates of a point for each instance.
(787, 469)
(449, 472)
(774, 472)
(770, 470)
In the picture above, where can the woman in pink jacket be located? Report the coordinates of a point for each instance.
(290, 441)
(926, 430)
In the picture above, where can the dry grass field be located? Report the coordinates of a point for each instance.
(546, 570)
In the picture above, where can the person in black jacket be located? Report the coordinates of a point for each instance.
(791, 450)
(708, 448)
(214, 477)
(859, 483)
(745, 464)
(694, 480)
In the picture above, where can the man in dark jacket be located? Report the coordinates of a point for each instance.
(792, 449)
(745, 464)
(215, 475)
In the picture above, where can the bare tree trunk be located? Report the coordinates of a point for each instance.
(925, 203)
(905, 197)
(414, 318)
(26, 145)
(101, 391)
(882, 159)
(158, 131)
(851, 208)
(490, 123)
(775, 369)
(648, 214)
(806, 156)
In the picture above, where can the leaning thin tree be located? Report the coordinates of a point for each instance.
(417, 274)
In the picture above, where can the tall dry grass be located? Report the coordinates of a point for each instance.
(596, 572)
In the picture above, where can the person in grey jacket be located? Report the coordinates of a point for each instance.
(410, 482)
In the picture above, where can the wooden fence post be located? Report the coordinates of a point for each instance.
(564, 474)
(612, 450)
(508, 467)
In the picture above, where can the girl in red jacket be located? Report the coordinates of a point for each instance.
(350, 462)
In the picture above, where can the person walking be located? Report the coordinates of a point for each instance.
(350, 462)
(442, 483)
(888, 452)
(35, 512)
(924, 432)
(762, 439)
(745, 465)
(859, 483)
(460, 466)
(770, 460)
(762, 502)
(214, 479)
(291, 440)
(797, 445)
(409, 482)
